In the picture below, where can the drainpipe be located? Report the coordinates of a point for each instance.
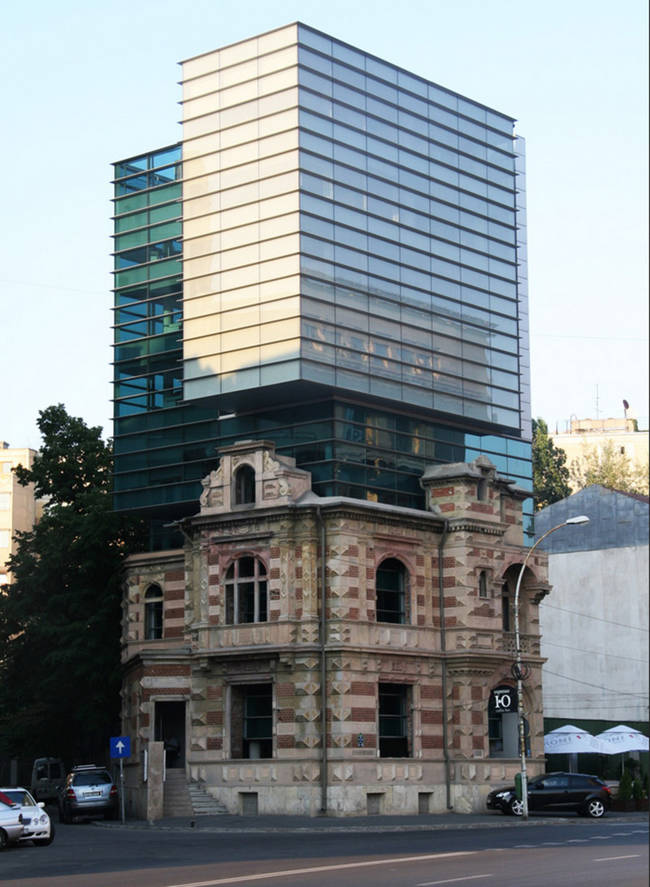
(323, 661)
(443, 649)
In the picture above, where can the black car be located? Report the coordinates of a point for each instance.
(556, 792)
(88, 791)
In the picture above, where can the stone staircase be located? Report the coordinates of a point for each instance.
(181, 799)
(203, 803)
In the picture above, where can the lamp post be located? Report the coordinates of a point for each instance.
(580, 519)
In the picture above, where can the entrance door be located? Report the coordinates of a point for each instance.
(169, 728)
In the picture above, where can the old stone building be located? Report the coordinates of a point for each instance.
(231, 658)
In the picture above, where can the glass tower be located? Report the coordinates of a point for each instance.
(350, 281)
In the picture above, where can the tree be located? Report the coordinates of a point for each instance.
(60, 616)
(609, 467)
(550, 473)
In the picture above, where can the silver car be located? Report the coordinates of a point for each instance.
(11, 822)
(37, 825)
(88, 791)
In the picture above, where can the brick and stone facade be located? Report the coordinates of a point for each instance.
(243, 645)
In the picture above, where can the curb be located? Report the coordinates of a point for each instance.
(491, 822)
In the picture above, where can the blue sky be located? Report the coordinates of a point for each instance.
(88, 83)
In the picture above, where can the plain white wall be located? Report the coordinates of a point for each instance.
(594, 629)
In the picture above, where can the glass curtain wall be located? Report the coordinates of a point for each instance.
(148, 291)
(413, 309)
(409, 238)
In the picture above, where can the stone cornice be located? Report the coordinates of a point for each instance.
(143, 658)
(243, 536)
(154, 557)
(473, 525)
(476, 664)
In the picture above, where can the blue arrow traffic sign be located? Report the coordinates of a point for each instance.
(120, 746)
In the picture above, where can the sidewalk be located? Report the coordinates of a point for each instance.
(314, 824)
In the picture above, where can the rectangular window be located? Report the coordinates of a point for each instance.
(4, 501)
(495, 735)
(391, 583)
(251, 719)
(394, 720)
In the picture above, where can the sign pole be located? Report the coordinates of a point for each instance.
(120, 747)
(122, 788)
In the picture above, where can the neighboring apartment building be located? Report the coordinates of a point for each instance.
(595, 623)
(332, 264)
(594, 435)
(19, 510)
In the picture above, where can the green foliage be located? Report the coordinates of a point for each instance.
(637, 790)
(610, 468)
(550, 473)
(60, 617)
(625, 786)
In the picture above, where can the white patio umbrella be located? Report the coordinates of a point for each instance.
(570, 740)
(621, 739)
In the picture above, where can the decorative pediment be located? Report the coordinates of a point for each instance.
(251, 476)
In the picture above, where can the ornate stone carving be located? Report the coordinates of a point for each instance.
(306, 773)
(309, 714)
(342, 773)
(270, 465)
(212, 494)
(309, 688)
(308, 741)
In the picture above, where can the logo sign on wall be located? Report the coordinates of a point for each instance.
(503, 699)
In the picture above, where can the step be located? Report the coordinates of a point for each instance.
(183, 799)
(176, 797)
(203, 803)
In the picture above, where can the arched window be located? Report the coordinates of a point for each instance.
(391, 586)
(527, 588)
(505, 607)
(153, 613)
(245, 485)
(246, 596)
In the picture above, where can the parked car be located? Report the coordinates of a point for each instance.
(47, 778)
(11, 822)
(559, 792)
(37, 825)
(88, 791)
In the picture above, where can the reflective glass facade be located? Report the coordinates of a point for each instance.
(148, 284)
(409, 246)
(353, 278)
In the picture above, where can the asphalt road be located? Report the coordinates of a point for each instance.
(608, 852)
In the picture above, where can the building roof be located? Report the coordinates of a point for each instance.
(616, 520)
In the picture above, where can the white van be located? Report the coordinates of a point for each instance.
(48, 775)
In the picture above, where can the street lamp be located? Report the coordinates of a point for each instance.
(580, 519)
